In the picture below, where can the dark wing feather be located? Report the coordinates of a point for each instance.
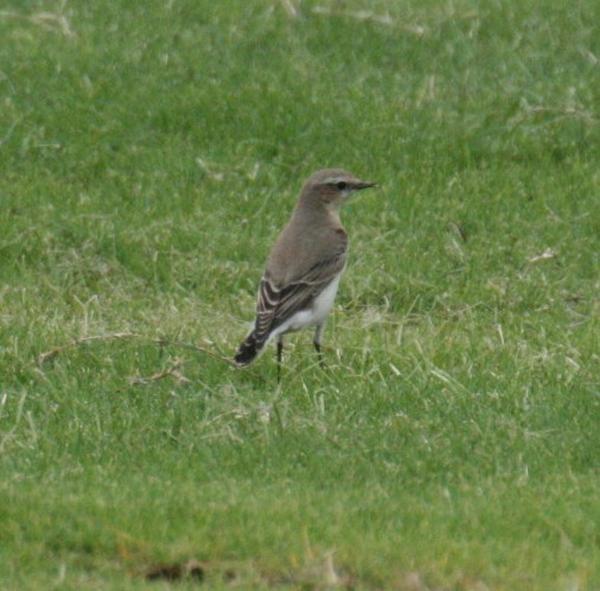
(275, 304)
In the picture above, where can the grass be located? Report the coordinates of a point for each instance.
(149, 154)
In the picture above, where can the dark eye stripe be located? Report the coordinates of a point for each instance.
(341, 185)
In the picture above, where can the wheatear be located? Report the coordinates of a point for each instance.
(304, 268)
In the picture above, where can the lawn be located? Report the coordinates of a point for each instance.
(149, 154)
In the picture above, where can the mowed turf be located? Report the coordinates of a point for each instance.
(149, 154)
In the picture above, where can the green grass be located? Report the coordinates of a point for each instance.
(149, 153)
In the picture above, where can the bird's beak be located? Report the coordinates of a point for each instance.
(360, 185)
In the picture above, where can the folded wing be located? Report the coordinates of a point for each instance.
(276, 304)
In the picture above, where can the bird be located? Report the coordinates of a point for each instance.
(304, 267)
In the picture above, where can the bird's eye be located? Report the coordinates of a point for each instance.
(341, 185)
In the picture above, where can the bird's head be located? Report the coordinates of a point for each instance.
(332, 186)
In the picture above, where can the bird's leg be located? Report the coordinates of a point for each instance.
(279, 355)
(317, 343)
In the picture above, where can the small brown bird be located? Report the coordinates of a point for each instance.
(304, 268)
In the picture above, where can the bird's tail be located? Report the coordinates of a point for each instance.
(248, 350)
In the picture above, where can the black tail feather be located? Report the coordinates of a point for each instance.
(248, 350)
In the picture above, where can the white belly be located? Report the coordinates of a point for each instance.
(324, 301)
(312, 316)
